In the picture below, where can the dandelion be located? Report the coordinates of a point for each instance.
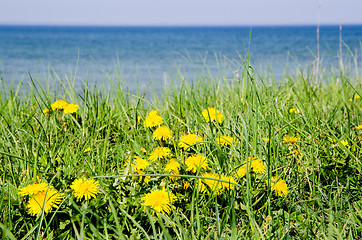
(33, 189)
(211, 114)
(241, 172)
(214, 185)
(139, 119)
(162, 133)
(153, 119)
(230, 182)
(257, 166)
(186, 184)
(87, 150)
(354, 98)
(265, 139)
(225, 140)
(293, 110)
(46, 199)
(86, 188)
(280, 187)
(159, 200)
(188, 140)
(196, 162)
(71, 108)
(140, 163)
(46, 110)
(173, 167)
(159, 153)
(359, 127)
(59, 105)
(290, 139)
(344, 143)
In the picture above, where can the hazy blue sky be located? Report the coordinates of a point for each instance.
(177, 12)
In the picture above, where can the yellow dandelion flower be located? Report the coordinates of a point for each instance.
(159, 200)
(173, 167)
(159, 153)
(46, 110)
(225, 140)
(211, 114)
(188, 140)
(265, 139)
(162, 133)
(293, 110)
(241, 172)
(33, 189)
(257, 166)
(359, 127)
(71, 108)
(139, 119)
(209, 184)
(140, 163)
(153, 119)
(47, 199)
(196, 162)
(357, 97)
(290, 139)
(186, 184)
(86, 188)
(59, 105)
(344, 143)
(87, 150)
(280, 187)
(229, 184)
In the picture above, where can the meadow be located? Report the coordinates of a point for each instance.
(241, 158)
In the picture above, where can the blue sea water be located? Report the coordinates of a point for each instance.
(140, 56)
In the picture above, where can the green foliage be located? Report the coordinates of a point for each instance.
(103, 137)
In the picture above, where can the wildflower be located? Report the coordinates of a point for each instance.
(211, 114)
(33, 189)
(354, 98)
(59, 105)
(162, 133)
(173, 167)
(229, 184)
(257, 166)
(87, 150)
(266, 139)
(214, 185)
(153, 119)
(186, 184)
(344, 143)
(290, 139)
(46, 110)
(359, 127)
(225, 140)
(293, 110)
(159, 153)
(195, 162)
(140, 163)
(159, 200)
(47, 199)
(139, 119)
(188, 140)
(86, 188)
(71, 108)
(280, 187)
(241, 172)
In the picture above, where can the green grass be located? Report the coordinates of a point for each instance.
(324, 190)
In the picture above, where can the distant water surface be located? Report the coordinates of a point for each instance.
(140, 55)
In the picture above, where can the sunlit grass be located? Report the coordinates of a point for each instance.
(283, 161)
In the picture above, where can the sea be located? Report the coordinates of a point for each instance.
(153, 58)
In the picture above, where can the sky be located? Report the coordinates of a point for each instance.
(179, 12)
